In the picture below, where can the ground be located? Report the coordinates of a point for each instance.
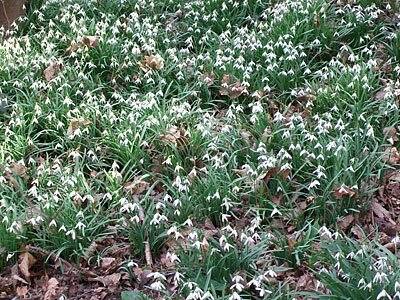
(200, 150)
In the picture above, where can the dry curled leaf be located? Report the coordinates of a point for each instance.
(106, 262)
(391, 134)
(73, 47)
(381, 212)
(90, 40)
(391, 156)
(19, 169)
(154, 62)
(75, 123)
(137, 186)
(209, 78)
(306, 97)
(175, 136)
(22, 291)
(51, 71)
(345, 222)
(51, 291)
(343, 192)
(26, 262)
(381, 94)
(110, 280)
(233, 90)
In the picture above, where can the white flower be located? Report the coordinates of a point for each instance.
(275, 211)
(235, 296)
(383, 294)
(157, 285)
(157, 275)
(314, 184)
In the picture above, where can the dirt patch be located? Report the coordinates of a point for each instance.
(10, 10)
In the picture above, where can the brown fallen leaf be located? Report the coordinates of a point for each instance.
(142, 276)
(306, 97)
(51, 291)
(387, 227)
(391, 156)
(307, 282)
(381, 212)
(51, 71)
(345, 222)
(171, 136)
(392, 247)
(209, 78)
(137, 186)
(26, 262)
(22, 291)
(90, 40)
(391, 133)
(110, 281)
(343, 192)
(73, 47)
(154, 62)
(357, 231)
(247, 136)
(16, 278)
(75, 123)
(107, 262)
(234, 90)
(175, 136)
(18, 169)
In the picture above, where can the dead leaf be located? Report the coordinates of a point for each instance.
(380, 95)
(209, 78)
(51, 291)
(388, 227)
(291, 242)
(22, 291)
(356, 230)
(73, 47)
(307, 282)
(90, 40)
(111, 281)
(106, 262)
(18, 169)
(154, 62)
(245, 135)
(27, 261)
(171, 136)
(343, 192)
(391, 132)
(18, 278)
(51, 71)
(142, 276)
(302, 205)
(205, 245)
(75, 123)
(345, 222)
(175, 136)
(306, 97)
(381, 212)
(240, 172)
(391, 156)
(278, 223)
(137, 186)
(234, 90)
